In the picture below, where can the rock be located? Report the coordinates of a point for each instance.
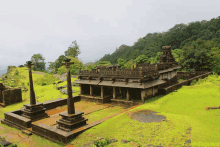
(124, 141)
(113, 140)
(134, 144)
(5, 143)
(65, 91)
(150, 145)
(63, 76)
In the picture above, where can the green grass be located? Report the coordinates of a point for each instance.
(183, 109)
(65, 82)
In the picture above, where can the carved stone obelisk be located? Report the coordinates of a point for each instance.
(71, 119)
(33, 111)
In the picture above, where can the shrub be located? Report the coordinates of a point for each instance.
(16, 73)
(102, 143)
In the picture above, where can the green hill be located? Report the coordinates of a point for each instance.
(176, 37)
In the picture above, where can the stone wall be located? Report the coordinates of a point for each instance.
(11, 96)
(187, 83)
(1, 89)
(189, 75)
(58, 102)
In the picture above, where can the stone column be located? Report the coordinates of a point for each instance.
(143, 95)
(102, 91)
(153, 91)
(91, 90)
(114, 92)
(80, 86)
(32, 94)
(128, 95)
(70, 100)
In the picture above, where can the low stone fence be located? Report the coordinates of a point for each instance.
(179, 85)
(189, 75)
(11, 96)
(59, 102)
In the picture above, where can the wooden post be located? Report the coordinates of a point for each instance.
(114, 92)
(102, 91)
(91, 90)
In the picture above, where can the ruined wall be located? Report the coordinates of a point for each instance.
(149, 91)
(189, 75)
(11, 96)
(1, 89)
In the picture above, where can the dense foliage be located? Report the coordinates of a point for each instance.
(194, 46)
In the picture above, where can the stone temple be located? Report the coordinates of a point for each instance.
(112, 84)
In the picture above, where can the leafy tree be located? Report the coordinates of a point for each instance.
(141, 59)
(121, 62)
(177, 54)
(73, 50)
(38, 60)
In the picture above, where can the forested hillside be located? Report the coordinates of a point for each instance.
(178, 37)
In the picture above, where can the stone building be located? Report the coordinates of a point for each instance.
(108, 84)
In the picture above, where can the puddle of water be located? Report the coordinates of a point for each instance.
(147, 116)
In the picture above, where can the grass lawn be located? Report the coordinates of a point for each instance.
(184, 109)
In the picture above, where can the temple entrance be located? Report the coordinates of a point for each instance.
(85, 89)
(96, 91)
(135, 94)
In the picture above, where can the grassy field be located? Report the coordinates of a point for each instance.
(184, 110)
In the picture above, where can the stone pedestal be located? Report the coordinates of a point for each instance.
(34, 111)
(69, 122)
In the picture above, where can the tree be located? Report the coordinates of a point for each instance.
(73, 50)
(121, 62)
(177, 54)
(141, 59)
(38, 60)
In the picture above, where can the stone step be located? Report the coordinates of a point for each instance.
(27, 132)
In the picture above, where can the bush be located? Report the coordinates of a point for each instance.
(16, 72)
(102, 143)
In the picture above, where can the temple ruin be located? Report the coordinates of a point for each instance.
(109, 84)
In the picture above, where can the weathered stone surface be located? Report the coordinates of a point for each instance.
(124, 141)
(5, 143)
(65, 91)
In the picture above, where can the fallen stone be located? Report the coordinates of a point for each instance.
(88, 144)
(5, 143)
(65, 91)
(134, 144)
(124, 141)
(113, 140)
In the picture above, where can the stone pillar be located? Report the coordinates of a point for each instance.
(102, 91)
(32, 94)
(153, 91)
(70, 100)
(91, 90)
(81, 90)
(71, 119)
(143, 95)
(128, 95)
(114, 92)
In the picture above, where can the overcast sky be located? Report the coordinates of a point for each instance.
(99, 26)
